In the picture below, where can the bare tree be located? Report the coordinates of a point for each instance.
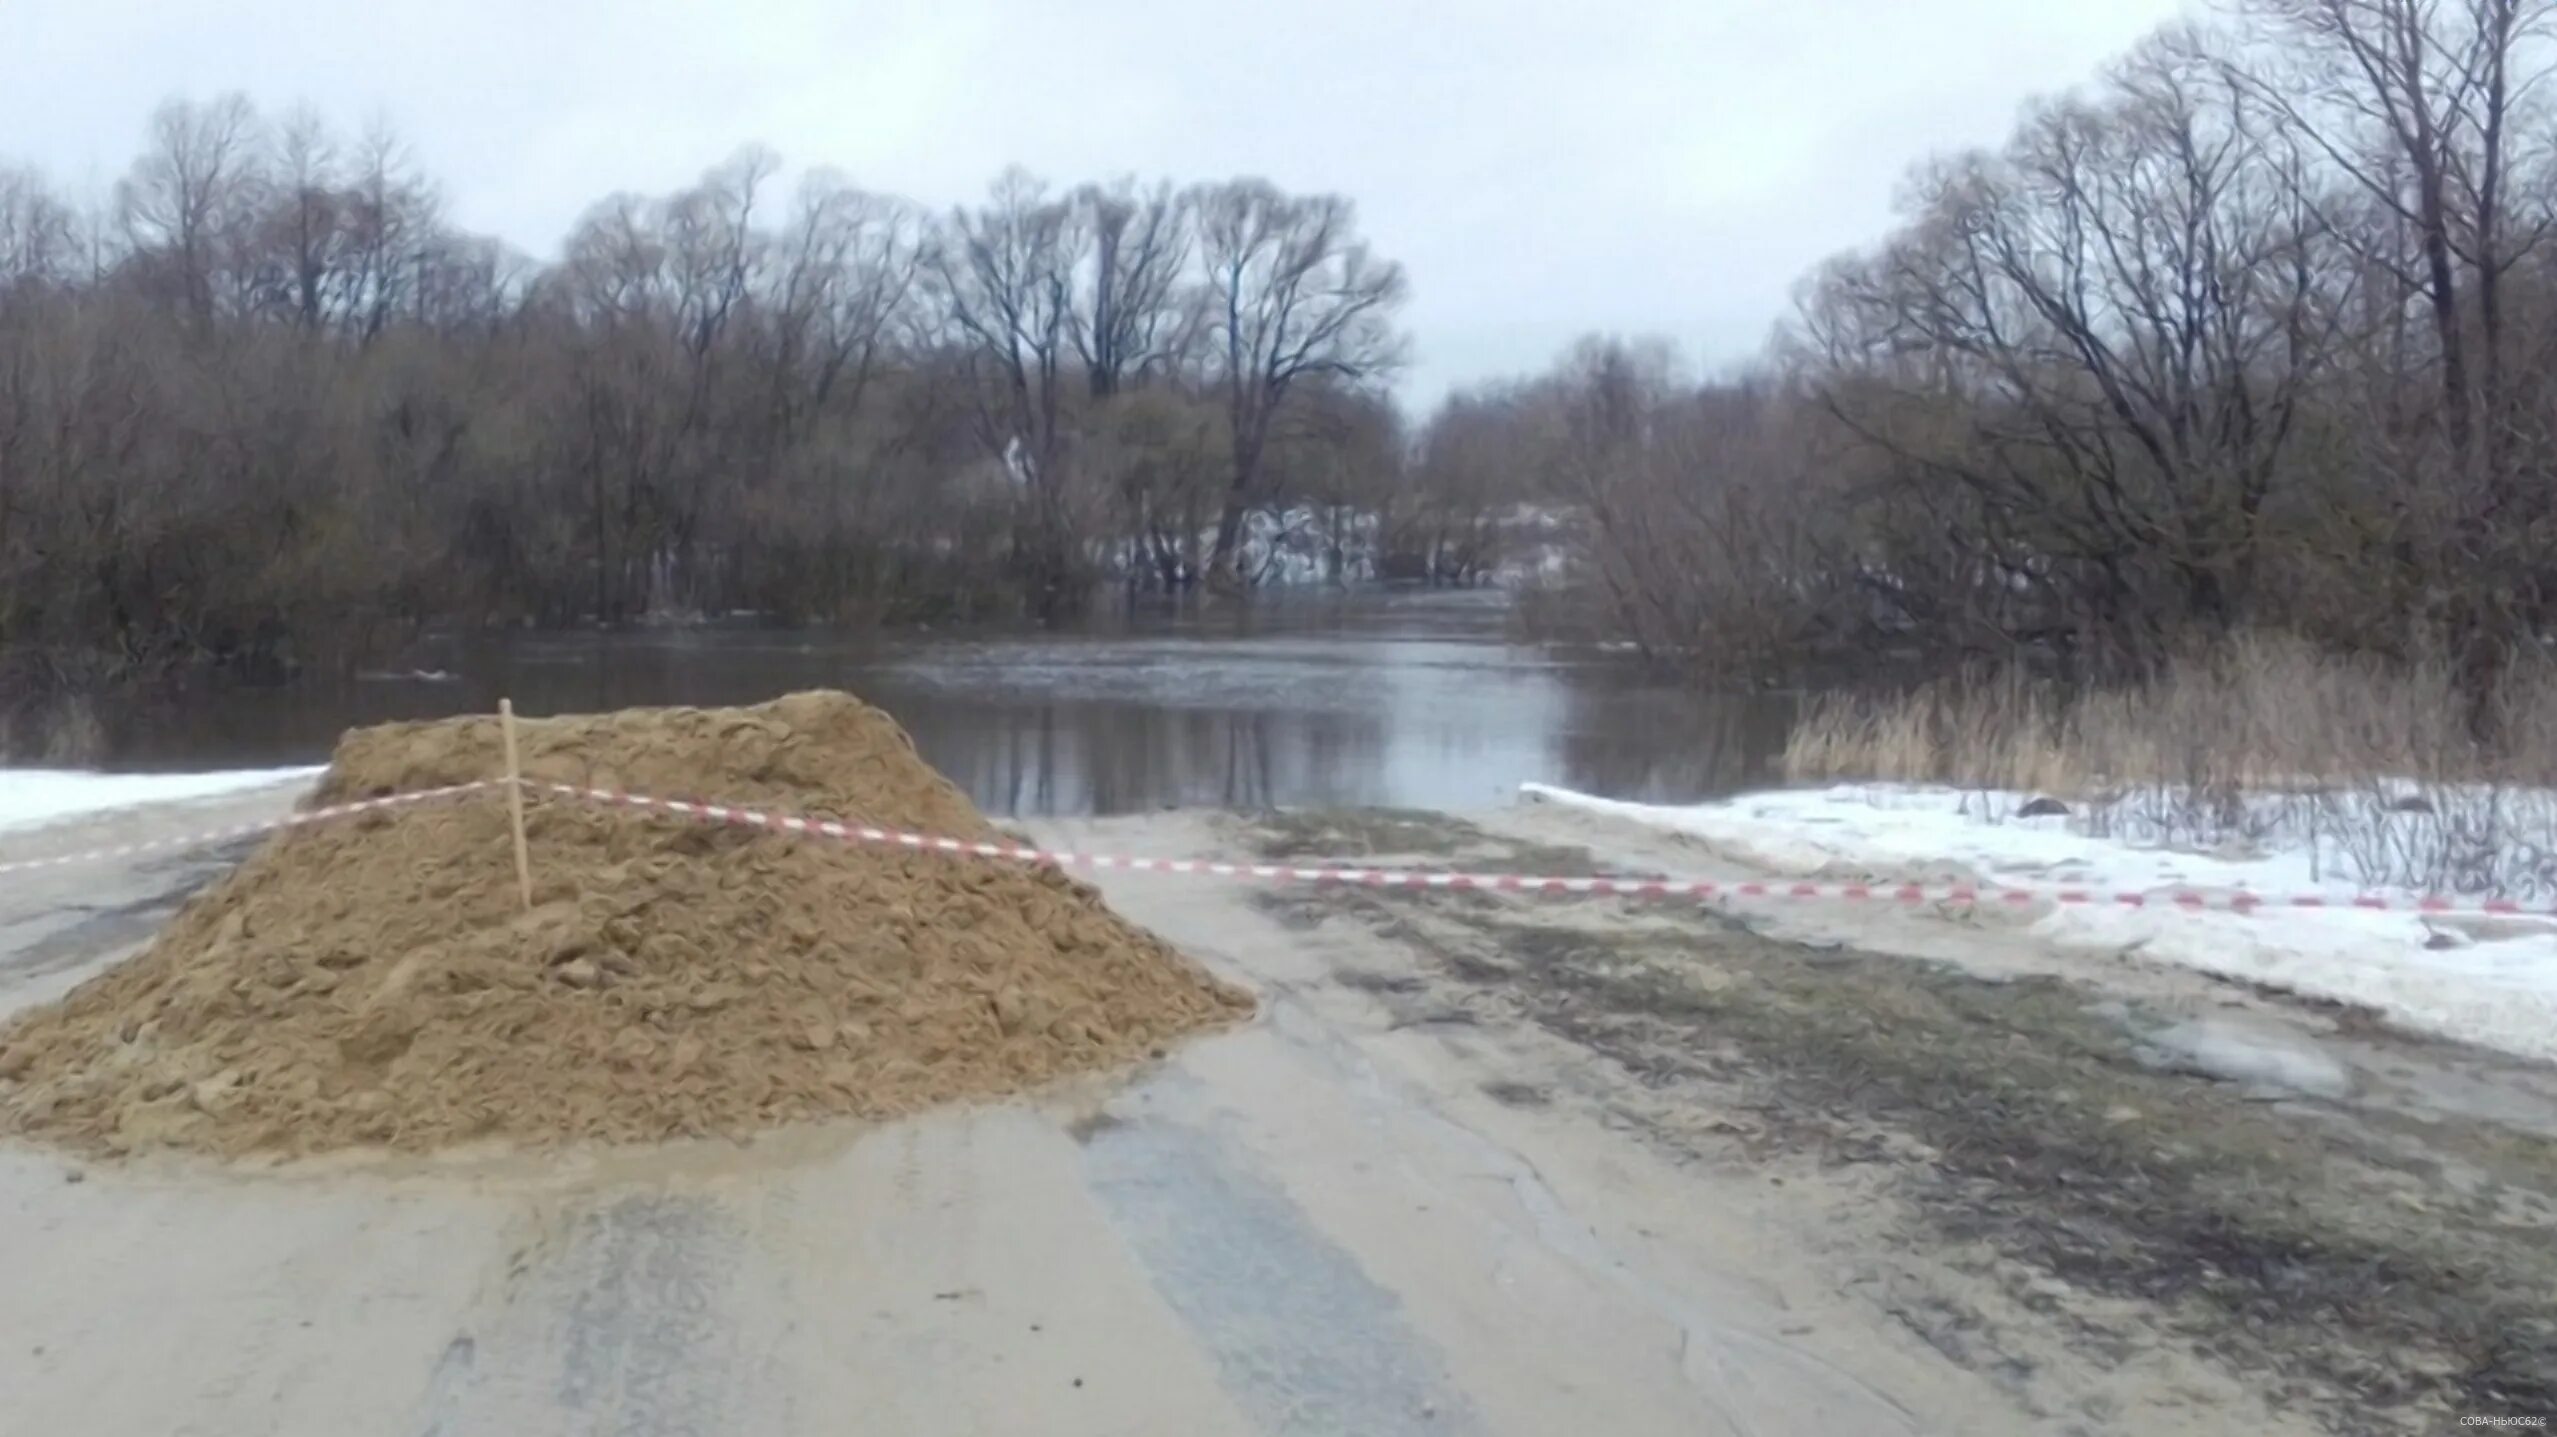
(276, 405)
(845, 268)
(392, 214)
(1130, 317)
(1293, 294)
(2125, 312)
(1001, 277)
(2416, 102)
(39, 234)
(1166, 451)
(305, 230)
(189, 193)
(2421, 105)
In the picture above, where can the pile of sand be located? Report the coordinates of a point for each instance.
(377, 982)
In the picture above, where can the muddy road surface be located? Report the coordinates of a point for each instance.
(1481, 1165)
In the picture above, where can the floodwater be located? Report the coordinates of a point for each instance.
(1413, 700)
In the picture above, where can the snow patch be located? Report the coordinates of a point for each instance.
(32, 796)
(2235, 1054)
(2496, 986)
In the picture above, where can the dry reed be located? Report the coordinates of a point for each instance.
(2256, 712)
(2257, 741)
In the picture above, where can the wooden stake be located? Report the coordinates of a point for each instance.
(515, 802)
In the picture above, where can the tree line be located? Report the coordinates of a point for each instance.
(2256, 331)
(265, 406)
(2259, 330)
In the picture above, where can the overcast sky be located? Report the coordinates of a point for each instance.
(1543, 169)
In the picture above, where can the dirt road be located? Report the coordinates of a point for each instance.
(1481, 1166)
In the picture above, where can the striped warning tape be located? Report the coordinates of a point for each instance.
(2237, 901)
(1962, 894)
(248, 830)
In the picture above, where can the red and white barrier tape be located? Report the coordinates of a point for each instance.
(2236, 901)
(247, 830)
(1692, 888)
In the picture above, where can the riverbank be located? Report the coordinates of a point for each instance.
(2470, 976)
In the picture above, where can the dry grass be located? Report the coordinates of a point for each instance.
(51, 729)
(2251, 714)
(2260, 741)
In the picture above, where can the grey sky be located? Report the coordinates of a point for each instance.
(1543, 169)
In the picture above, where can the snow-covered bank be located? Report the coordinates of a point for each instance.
(32, 796)
(2490, 982)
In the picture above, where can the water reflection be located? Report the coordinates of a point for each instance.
(1084, 759)
(1408, 700)
(1671, 745)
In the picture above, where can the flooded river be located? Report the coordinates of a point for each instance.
(1413, 700)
